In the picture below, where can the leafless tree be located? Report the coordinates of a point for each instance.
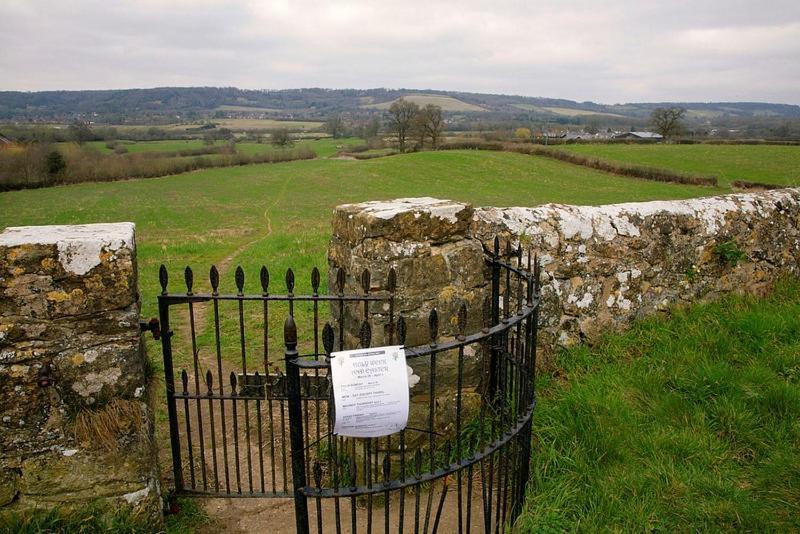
(281, 137)
(335, 126)
(432, 123)
(667, 121)
(401, 116)
(419, 130)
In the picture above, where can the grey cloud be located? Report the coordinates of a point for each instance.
(608, 51)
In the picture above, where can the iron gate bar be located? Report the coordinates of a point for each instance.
(501, 448)
(522, 427)
(421, 351)
(173, 298)
(436, 474)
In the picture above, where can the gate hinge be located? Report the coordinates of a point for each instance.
(153, 326)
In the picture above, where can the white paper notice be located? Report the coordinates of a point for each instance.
(370, 391)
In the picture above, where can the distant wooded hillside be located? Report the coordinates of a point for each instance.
(115, 106)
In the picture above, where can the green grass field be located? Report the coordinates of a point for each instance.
(323, 147)
(754, 163)
(134, 147)
(686, 424)
(279, 214)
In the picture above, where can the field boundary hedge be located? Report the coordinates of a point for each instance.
(86, 166)
(643, 172)
(372, 155)
(745, 184)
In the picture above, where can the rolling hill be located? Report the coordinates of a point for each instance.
(116, 106)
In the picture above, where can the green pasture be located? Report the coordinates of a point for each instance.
(279, 214)
(684, 424)
(323, 147)
(755, 163)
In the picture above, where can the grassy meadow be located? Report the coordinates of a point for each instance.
(324, 148)
(685, 424)
(754, 163)
(279, 214)
(271, 213)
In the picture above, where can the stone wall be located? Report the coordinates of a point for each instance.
(605, 266)
(601, 266)
(75, 424)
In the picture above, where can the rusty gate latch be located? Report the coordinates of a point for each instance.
(153, 326)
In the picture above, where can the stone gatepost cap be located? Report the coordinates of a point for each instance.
(418, 219)
(80, 246)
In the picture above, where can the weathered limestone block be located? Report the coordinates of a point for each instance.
(403, 219)
(607, 265)
(425, 241)
(70, 347)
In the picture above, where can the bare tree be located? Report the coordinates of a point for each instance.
(80, 131)
(371, 129)
(432, 123)
(335, 126)
(281, 137)
(419, 130)
(667, 121)
(401, 116)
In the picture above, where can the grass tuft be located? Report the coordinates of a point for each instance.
(90, 519)
(110, 427)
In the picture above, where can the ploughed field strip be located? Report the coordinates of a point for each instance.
(263, 429)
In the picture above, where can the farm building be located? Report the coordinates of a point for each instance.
(5, 142)
(639, 135)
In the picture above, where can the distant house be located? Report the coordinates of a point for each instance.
(639, 135)
(5, 142)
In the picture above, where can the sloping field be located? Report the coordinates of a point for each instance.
(756, 163)
(279, 214)
(323, 147)
(686, 424)
(246, 109)
(447, 103)
(256, 124)
(567, 112)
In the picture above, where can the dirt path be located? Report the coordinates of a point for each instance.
(268, 457)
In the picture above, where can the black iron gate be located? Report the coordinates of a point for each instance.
(245, 422)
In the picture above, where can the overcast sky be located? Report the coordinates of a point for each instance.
(604, 51)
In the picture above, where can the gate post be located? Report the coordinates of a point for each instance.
(169, 380)
(295, 425)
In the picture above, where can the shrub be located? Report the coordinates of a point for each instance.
(744, 184)
(281, 137)
(26, 168)
(55, 163)
(729, 253)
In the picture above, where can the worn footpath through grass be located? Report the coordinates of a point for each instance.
(689, 423)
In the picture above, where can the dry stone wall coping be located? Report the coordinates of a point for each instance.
(403, 219)
(603, 266)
